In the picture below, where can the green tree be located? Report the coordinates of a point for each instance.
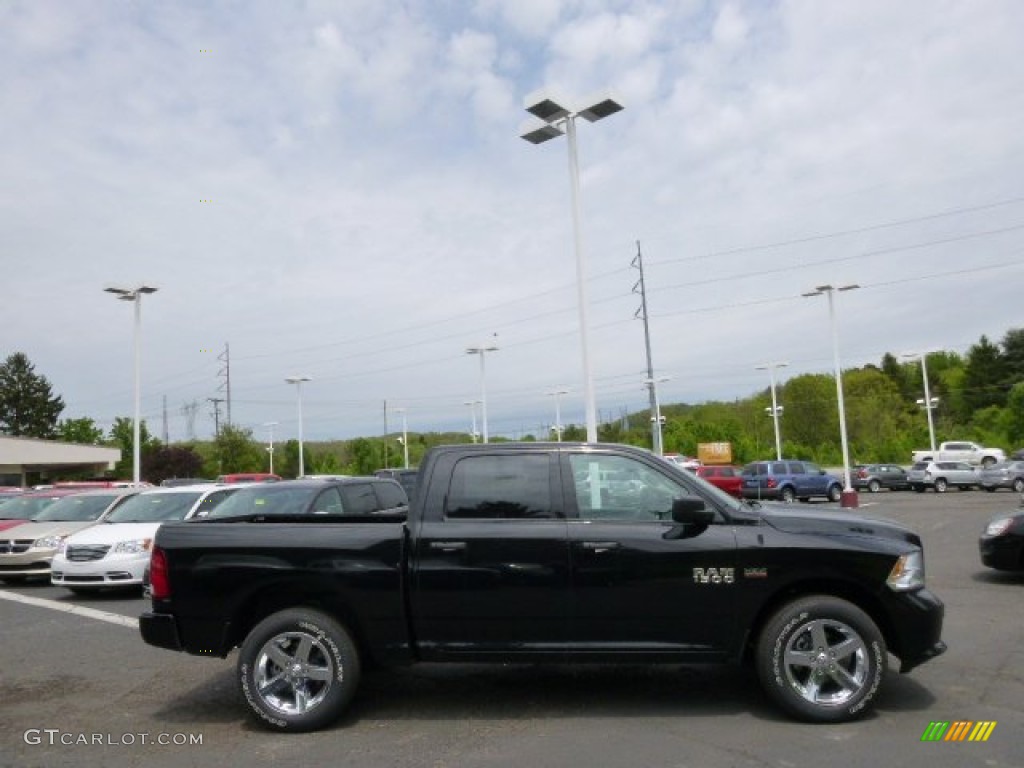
(1014, 418)
(811, 418)
(1013, 355)
(122, 435)
(28, 407)
(364, 456)
(237, 451)
(984, 377)
(84, 431)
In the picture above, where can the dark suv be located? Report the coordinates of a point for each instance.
(874, 477)
(789, 480)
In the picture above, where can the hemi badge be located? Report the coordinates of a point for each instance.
(755, 573)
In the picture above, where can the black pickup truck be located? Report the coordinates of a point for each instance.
(547, 552)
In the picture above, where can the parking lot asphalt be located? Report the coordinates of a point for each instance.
(81, 688)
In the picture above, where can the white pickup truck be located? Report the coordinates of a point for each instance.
(972, 453)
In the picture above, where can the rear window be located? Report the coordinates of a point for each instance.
(920, 465)
(155, 507)
(502, 487)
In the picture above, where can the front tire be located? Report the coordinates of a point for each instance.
(1018, 485)
(821, 659)
(298, 669)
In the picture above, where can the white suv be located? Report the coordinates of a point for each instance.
(115, 553)
(942, 475)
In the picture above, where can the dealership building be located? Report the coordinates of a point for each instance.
(27, 461)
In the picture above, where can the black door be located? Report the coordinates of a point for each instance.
(638, 585)
(491, 566)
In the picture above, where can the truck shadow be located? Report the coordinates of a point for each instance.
(518, 691)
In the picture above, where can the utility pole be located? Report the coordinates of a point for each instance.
(166, 440)
(189, 410)
(225, 357)
(216, 414)
(641, 288)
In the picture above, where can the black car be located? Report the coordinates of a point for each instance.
(874, 477)
(405, 477)
(347, 496)
(1002, 543)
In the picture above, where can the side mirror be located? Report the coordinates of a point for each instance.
(691, 510)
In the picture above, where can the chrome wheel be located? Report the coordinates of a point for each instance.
(826, 662)
(293, 673)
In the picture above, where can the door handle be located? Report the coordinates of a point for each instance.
(600, 547)
(448, 546)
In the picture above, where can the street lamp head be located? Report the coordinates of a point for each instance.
(544, 105)
(769, 366)
(480, 350)
(297, 379)
(601, 108)
(129, 294)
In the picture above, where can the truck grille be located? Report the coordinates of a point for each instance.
(87, 552)
(15, 546)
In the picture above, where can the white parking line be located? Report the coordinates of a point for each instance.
(79, 610)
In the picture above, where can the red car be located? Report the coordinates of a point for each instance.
(25, 506)
(727, 479)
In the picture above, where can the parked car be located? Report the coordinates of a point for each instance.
(686, 462)
(249, 477)
(789, 480)
(115, 552)
(26, 506)
(348, 496)
(1017, 455)
(1007, 474)
(728, 479)
(29, 549)
(874, 477)
(177, 482)
(405, 477)
(1002, 543)
(942, 475)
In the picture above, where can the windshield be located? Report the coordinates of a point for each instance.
(24, 509)
(76, 509)
(266, 500)
(155, 507)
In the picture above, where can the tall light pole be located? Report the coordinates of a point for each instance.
(297, 381)
(472, 415)
(557, 119)
(656, 417)
(482, 350)
(405, 435)
(270, 446)
(770, 367)
(557, 394)
(135, 295)
(929, 402)
(849, 497)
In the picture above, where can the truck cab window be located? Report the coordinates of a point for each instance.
(620, 488)
(501, 487)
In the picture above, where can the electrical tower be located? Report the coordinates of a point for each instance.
(225, 372)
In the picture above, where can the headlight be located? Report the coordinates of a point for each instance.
(134, 547)
(999, 526)
(907, 573)
(48, 542)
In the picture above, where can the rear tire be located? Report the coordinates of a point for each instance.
(835, 493)
(298, 670)
(1018, 485)
(874, 486)
(940, 485)
(821, 659)
(787, 495)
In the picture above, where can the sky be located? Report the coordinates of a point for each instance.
(339, 190)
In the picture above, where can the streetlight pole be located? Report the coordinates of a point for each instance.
(929, 402)
(405, 435)
(557, 394)
(270, 447)
(656, 417)
(482, 350)
(472, 411)
(770, 367)
(557, 119)
(135, 295)
(297, 381)
(849, 497)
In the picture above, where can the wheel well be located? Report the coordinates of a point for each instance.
(282, 597)
(843, 590)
